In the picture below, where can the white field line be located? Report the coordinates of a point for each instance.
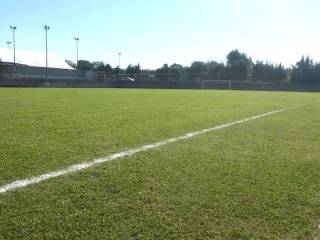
(81, 166)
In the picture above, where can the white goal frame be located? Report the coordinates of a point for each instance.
(229, 82)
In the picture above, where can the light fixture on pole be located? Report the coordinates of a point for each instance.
(46, 28)
(77, 45)
(14, 44)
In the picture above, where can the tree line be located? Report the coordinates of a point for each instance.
(238, 67)
(100, 66)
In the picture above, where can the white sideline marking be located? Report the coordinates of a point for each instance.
(81, 166)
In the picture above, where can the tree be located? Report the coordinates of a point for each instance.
(238, 65)
(118, 71)
(305, 72)
(98, 66)
(70, 63)
(259, 71)
(279, 74)
(84, 65)
(176, 71)
(132, 70)
(265, 72)
(197, 67)
(163, 72)
(137, 69)
(108, 69)
(197, 70)
(216, 71)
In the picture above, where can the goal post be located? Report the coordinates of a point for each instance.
(220, 84)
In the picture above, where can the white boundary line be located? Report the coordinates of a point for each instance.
(81, 166)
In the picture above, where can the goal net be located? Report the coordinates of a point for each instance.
(216, 84)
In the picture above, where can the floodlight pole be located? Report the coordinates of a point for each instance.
(77, 45)
(119, 59)
(119, 65)
(14, 45)
(8, 44)
(46, 28)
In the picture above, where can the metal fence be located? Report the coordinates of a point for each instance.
(28, 76)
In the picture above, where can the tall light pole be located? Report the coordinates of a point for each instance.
(77, 44)
(119, 65)
(14, 45)
(8, 44)
(46, 28)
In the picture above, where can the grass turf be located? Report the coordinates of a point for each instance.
(257, 180)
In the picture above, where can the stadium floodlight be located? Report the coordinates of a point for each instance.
(8, 44)
(46, 28)
(77, 45)
(14, 28)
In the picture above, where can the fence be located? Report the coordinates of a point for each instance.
(19, 71)
(154, 84)
(25, 72)
(27, 76)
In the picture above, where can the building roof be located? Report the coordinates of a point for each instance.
(37, 59)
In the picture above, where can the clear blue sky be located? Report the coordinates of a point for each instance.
(152, 32)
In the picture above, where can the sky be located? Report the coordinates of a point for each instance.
(154, 32)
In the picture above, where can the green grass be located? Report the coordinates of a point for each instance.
(258, 180)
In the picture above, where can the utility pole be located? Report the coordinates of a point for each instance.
(46, 28)
(77, 45)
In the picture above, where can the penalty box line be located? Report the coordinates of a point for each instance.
(88, 164)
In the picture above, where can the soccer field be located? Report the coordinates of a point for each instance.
(252, 179)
